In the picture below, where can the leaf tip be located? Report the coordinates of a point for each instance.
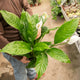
(68, 61)
(0, 51)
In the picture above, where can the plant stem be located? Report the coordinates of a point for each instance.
(58, 44)
(53, 28)
(52, 45)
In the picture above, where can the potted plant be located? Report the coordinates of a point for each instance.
(56, 9)
(30, 2)
(34, 2)
(39, 2)
(33, 48)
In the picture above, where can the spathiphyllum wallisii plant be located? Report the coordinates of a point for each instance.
(33, 48)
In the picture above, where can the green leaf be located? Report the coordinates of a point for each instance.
(41, 64)
(17, 48)
(66, 30)
(35, 18)
(31, 64)
(59, 2)
(58, 55)
(48, 43)
(11, 19)
(29, 31)
(41, 46)
(28, 55)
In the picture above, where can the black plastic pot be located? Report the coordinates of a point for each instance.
(60, 14)
(78, 32)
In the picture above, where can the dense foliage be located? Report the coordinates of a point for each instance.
(33, 2)
(33, 48)
(56, 9)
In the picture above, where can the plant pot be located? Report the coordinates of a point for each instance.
(59, 14)
(39, 4)
(35, 4)
(78, 32)
(31, 5)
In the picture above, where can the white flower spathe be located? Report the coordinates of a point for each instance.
(45, 15)
(73, 39)
(39, 25)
